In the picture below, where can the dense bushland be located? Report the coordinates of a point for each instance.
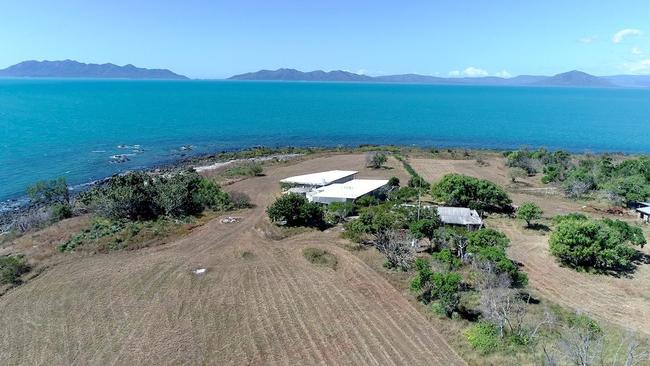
(621, 182)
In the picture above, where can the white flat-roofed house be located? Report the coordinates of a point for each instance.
(348, 191)
(317, 180)
(644, 211)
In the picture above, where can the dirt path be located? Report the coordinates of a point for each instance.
(269, 307)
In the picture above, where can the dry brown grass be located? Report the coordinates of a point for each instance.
(271, 307)
(621, 301)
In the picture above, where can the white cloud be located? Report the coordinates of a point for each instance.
(587, 40)
(362, 71)
(503, 74)
(637, 51)
(473, 72)
(620, 35)
(639, 67)
(470, 72)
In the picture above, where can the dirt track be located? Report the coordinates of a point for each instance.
(271, 307)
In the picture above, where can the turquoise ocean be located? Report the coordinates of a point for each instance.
(73, 128)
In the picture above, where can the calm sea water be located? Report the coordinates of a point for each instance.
(50, 128)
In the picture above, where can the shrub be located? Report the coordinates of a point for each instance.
(130, 196)
(424, 228)
(403, 194)
(528, 211)
(498, 256)
(139, 196)
(484, 238)
(294, 210)
(478, 194)
(418, 182)
(376, 160)
(245, 170)
(356, 231)
(395, 245)
(633, 188)
(393, 182)
(11, 268)
(421, 283)
(240, 200)
(570, 216)
(443, 287)
(32, 219)
(61, 211)
(447, 258)
(516, 173)
(366, 201)
(47, 192)
(591, 244)
(483, 337)
(320, 257)
(177, 195)
(337, 212)
(210, 195)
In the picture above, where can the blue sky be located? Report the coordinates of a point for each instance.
(213, 39)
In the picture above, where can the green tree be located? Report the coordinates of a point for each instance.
(424, 228)
(294, 210)
(48, 192)
(529, 211)
(478, 194)
(594, 244)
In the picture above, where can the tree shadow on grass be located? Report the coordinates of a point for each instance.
(627, 271)
(539, 227)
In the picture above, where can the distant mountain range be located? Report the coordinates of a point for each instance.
(74, 69)
(569, 79)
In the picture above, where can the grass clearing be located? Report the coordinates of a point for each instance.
(320, 257)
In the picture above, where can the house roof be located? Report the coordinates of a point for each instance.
(319, 179)
(459, 216)
(645, 210)
(350, 190)
(454, 215)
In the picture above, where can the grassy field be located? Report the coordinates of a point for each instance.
(261, 301)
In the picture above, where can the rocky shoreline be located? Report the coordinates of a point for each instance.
(21, 207)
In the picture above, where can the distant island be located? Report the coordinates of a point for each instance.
(74, 69)
(573, 78)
